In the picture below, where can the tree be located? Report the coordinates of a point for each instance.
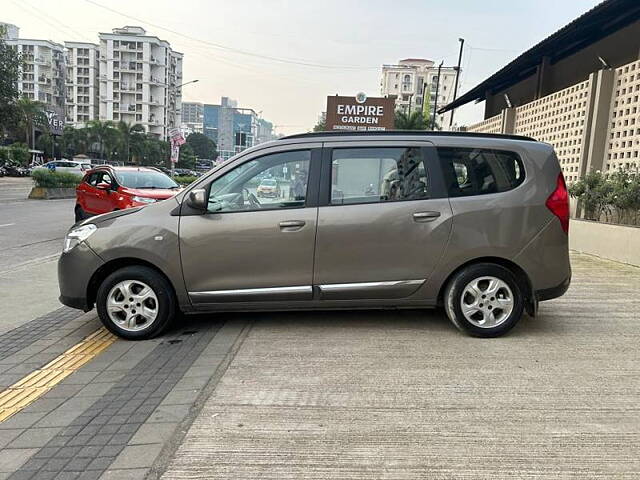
(202, 146)
(19, 153)
(126, 132)
(413, 121)
(103, 134)
(47, 143)
(10, 64)
(187, 157)
(321, 126)
(74, 141)
(31, 115)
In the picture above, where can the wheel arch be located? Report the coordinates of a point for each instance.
(524, 282)
(111, 266)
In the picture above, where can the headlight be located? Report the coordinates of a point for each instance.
(77, 235)
(144, 199)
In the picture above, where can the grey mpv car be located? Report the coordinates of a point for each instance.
(475, 223)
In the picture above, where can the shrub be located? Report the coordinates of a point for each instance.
(47, 179)
(184, 179)
(19, 153)
(615, 196)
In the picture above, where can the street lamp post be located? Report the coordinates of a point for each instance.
(455, 85)
(187, 83)
(435, 105)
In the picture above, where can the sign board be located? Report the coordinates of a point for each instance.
(55, 119)
(360, 113)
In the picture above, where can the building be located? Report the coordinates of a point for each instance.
(11, 32)
(265, 131)
(192, 117)
(82, 62)
(234, 129)
(578, 89)
(414, 82)
(140, 80)
(42, 74)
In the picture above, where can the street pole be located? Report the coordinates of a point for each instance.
(455, 85)
(435, 105)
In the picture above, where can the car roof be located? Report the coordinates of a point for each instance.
(125, 169)
(404, 133)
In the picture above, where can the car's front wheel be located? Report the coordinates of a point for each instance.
(136, 302)
(484, 300)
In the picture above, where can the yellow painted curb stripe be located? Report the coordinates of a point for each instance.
(36, 384)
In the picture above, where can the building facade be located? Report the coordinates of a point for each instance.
(192, 117)
(414, 82)
(42, 75)
(11, 31)
(140, 80)
(234, 129)
(578, 90)
(82, 62)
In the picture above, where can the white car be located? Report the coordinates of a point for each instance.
(70, 166)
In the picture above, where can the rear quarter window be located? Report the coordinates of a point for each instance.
(480, 171)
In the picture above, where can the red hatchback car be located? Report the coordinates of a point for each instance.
(106, 188)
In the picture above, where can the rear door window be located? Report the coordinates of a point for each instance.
(377, 174)
(480, 171)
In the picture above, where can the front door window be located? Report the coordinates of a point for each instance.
(274, 181)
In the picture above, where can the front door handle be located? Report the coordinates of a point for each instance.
(425, 216)
(291, 225)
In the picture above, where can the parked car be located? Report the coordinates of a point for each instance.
(70, 166)
(185, 172)
(269, 187)
(475, 223)
(106, 189)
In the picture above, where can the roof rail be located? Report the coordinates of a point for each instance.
(419, 133)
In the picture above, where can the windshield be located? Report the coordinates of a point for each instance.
(269, 183)
(144, 179)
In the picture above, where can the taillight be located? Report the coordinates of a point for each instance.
(558, 203)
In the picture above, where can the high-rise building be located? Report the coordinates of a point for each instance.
(414, 82)
(42, 74)
(192, 117)
(234, 129)
(82, 84)
(140, 80)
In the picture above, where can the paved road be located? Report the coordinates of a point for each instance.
(344, 395)
(31, 235)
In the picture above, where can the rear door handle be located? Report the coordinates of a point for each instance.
(425, 216)
(291, 225)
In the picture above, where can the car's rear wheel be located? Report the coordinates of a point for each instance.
(80, 213)
(136, 303)
(484, 300)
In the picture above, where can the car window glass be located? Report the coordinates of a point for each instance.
(106, 178)
(93, 178)
(277, 180)
(478, 171)
(381, 174)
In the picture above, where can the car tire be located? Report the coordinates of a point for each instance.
(484, 300)
(80, 213)
(156, 309)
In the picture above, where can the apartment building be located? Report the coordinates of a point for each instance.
(8, 31)
(82, 62)
(414, 82)
(140, 80)
(42, 74)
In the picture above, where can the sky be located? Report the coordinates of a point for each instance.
(282, 58)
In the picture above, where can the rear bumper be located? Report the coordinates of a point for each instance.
(553, 292)
(80, 302)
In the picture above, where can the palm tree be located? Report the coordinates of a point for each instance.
(127, 132)
(74, 141)
(101, 133)
(32, 115)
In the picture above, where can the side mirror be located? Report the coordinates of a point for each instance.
(103, 186)
(197, 199)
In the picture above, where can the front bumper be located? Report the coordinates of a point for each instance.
(75, 270)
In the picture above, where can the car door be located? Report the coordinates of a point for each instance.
(245, 249)
(383, 222)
